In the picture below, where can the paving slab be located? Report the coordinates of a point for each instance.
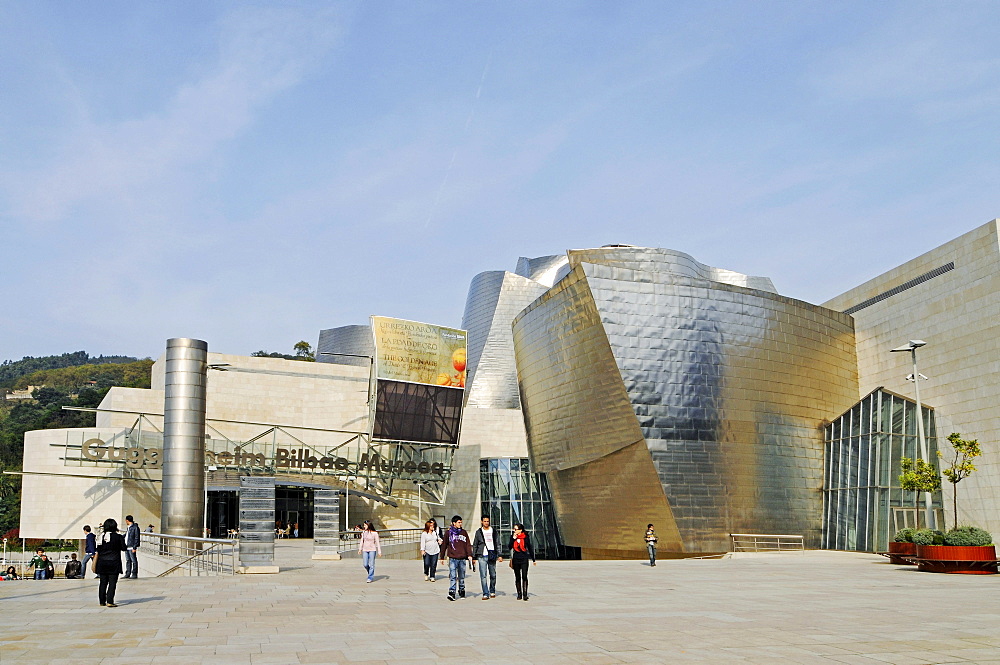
(816, 607)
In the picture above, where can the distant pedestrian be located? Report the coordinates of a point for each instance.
(74, 571)
(430, 549)
(149, 529)
(50, 568)
(109, 562)
(486, 548)
(521, 551)
(459, 551)
(370, 547)
(39, 563)
(651, 544)
(131, 545)
(89, 549)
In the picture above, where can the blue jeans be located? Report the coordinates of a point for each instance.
(83, 568)
(456, 575)
(39, 573)
(368, 559)
(431, 564)
(652, 553)
(485, 565)
(131, 564)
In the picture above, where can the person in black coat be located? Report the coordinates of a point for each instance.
(110, 546)
(521, 551)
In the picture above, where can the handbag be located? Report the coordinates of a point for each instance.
(93, 564)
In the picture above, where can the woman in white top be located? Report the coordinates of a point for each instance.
(430, 548)
(369, 547)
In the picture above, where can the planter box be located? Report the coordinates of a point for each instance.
(898, 550)
(957, 559)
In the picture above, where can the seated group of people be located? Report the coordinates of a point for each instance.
(44, 568)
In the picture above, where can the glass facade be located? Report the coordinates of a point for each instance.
(511, 493)
(863, 504)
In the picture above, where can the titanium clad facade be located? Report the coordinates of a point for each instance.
(351, 340)
(656, 395)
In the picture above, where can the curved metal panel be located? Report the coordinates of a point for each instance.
(726, 385)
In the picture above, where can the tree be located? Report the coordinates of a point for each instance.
(963, 452)
(304, 350)
(918, 476)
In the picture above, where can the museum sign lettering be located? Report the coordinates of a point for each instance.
(96, 450)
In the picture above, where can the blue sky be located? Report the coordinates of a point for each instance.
(251, 173)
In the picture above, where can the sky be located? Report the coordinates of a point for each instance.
(250, 173)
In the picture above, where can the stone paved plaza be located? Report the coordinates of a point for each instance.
(817, 607)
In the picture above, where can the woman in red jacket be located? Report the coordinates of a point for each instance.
(521, 551)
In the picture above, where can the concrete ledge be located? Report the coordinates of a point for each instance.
(257, 570)
(326, 557)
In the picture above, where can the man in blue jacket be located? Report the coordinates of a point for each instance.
(131, 545)
(89, 550)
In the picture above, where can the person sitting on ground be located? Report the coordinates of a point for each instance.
(74, 569)
(11, 574)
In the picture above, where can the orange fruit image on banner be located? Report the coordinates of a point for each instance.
(458, 359)
(443, 379)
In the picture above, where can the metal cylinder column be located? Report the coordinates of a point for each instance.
(182, 504)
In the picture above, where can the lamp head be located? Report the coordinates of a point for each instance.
(909, 346)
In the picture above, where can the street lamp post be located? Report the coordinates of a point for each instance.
(912, 347)
(420, 507)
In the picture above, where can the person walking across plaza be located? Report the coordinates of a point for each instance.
(131, 545)
(459, 551)
(521, 551)
(486, 548)
(651, 544)
(89, 550)
(430, 549)
(40, 563)
(110, 546)
(370, 547)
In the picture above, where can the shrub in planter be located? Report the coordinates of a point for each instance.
(904, 535)
(968, 536)
(928, 537)
(963, 550)
(902, 546)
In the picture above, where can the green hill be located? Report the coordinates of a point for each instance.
(11, 370)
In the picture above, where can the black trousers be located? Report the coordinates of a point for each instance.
(520, 567)
(106, 589)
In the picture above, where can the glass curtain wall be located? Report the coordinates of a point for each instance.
(863, 504)
(511, 493)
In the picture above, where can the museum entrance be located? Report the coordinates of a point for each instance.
(293, 510)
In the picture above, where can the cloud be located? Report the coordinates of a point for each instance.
(129, 165)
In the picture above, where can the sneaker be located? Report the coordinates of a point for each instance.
(486, 597)
(368, 582)
(493, 595)
(525, 596)
(427, 578)
(104, 604)
(112, 605)
(461, 593)
(451, 596)
(519, 596)
(433, 580)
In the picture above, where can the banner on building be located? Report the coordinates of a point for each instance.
(419, 352)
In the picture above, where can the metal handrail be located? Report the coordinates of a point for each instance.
(349, 539)
(197, 556)
(767, 542)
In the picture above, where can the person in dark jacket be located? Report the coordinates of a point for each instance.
(521, 551)
(73, 568)
(486, 548)
(89, 550)
(458, 549)
(131, 545)
(109, 562)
